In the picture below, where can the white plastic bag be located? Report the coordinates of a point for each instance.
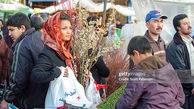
(92, 93)
(68, 89)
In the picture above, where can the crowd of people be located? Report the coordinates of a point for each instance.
(33, 49)
(170, 67)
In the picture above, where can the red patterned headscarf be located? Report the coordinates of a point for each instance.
(52, 37)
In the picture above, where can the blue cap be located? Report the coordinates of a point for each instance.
(154, 14)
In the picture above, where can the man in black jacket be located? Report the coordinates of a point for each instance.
(180, 53)
(26, 48)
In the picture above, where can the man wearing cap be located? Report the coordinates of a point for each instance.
(154, 23)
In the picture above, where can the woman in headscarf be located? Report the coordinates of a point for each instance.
(113, 38)
(57, 39)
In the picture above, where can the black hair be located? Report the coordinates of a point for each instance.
(64, 16)
(92, 18)
(44, 16)
(19, 19)
(36, 22)
(176, 20)
(139, 43)
(117, 19)
(29, 16)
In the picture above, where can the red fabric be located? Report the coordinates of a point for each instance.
(99, 86)
(52, 37)
(62, 107)
(4, 53)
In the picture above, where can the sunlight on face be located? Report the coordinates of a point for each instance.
(155, 26)
(185, 26)
(14, 32)
(66, 30)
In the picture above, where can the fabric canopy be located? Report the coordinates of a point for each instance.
(14, 7)
(90, 6)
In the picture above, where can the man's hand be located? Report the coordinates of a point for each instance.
(192, 91)
(103, 97)
(4, 105)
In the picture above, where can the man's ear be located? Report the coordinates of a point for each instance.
(147, 24)
(23, 28)
(178, 28)
(136, 52)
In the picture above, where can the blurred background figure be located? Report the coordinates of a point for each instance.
(5, 33)
(44, 16)
(112, 38)
(4, 52)
(37, 23)
(99, 71)
(118, 24)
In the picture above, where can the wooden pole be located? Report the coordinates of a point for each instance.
(104, 12)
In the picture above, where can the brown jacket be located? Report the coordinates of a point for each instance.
(4, 52)
(164, 92)
(158, 48)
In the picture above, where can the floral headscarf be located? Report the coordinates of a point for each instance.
(111, 36)
(52, 37)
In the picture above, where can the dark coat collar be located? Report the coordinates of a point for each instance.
(150, 39)
(178, 40)
(23, 35)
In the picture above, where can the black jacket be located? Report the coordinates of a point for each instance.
(178, 56)
(25, 54)
(43, 72)
(99, 71)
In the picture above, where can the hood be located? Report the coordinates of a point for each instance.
(160, 71)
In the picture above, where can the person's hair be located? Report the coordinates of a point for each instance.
(176, 20)
(44, 16)
(29, 15)
(36, 22)
(92, 18)
(117, 19)
(139, 43)
(64, 16)
(19, 19)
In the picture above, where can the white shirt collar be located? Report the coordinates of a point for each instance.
(187, 40)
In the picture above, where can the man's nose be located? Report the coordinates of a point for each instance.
(189, 26)
(160, 24)
(9, 33)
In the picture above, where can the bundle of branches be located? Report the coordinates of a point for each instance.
(86, 44)
(115, 62)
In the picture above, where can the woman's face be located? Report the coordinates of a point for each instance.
(1, 25)
(66, 30)
(113, 30)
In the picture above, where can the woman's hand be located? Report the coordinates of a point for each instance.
(4, 105)
(87, 75)
(65, 71)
